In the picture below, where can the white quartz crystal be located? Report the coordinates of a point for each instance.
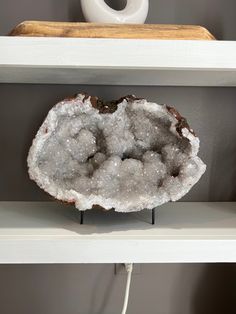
(137, 155)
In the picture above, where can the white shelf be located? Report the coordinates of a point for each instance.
(117, 61)
(42, 232)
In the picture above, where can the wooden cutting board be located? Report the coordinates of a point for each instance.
(126, 31)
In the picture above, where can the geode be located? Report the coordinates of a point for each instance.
(128, 154)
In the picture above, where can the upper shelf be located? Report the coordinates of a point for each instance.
(117, 61)
(42, 232)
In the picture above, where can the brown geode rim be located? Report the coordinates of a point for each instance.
(111, 106)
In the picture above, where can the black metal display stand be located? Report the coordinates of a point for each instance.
(153, 217)
(81, 217)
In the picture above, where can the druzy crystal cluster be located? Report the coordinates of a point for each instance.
(128, 154)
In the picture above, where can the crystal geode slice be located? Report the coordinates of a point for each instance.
(128, 154)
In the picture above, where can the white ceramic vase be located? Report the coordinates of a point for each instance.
(97, 11)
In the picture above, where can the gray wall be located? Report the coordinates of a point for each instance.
(94, 289)
(217, 15)
(210, 112)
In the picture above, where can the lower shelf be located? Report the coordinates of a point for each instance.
(43, 232)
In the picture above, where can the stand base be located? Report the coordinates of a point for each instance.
(152, 222)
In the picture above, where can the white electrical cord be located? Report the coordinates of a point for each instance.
(129, 269)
